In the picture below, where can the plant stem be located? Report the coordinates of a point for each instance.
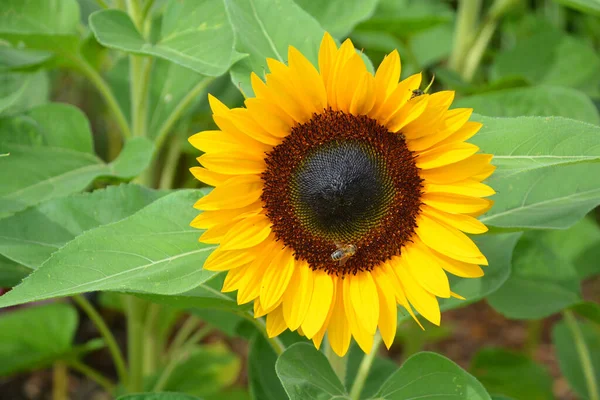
(338, 364)
(534, 332)
(190, 324)
(139, 75)
(60, 381)
(584, 355)
(466, 24)
(110, 99)
(151, 339)
(364, 368)
(93, 375)
(475, 54)
(135, 341)
(166, 126)
(102, 3)
(111, 343)
(170, 168)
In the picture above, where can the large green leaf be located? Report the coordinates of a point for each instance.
(539, 271)
(534, 101)
(41, 24)
(153, 251)
(51, 155)
(548, 172)
(11, 272)
(31, 236)
(587, 6)
(306, 374)
(194, 34)
(430, 376)
(339, 17)
(568, 342)
(512, 374)
(264, 29)
(12, 58)
(553, 58)
(22, 91)
(34, 337)
(262, 378)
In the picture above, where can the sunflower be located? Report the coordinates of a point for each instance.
(340, 194)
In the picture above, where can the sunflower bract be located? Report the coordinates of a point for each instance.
(339, 195)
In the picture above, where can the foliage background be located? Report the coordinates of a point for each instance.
(97, 100)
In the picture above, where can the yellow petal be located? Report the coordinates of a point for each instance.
(363, 98)
(307, 78)
(448, 240)
(411, 111)
(423, 301)
(275, 322)
(242, 119)
(223, 260)
(454, 121)
(273, 119)
(327, 53)
(296, 299)
(216, 234)
(345, 53)
(455, 267)
(208, 219)
(209, 177)
(467, 187)
(458, 171)
(319, 304)
(455, 203)
(236, 192)
(282, 81)
(467, 131)
(219, 141)
(429, 275)
(362, 337)
(364, 300)
(247, 233)
(444, 155)
(432, 118)
(389, 271)
(397, 99)
(249, 286)
(233, 163)
(465, 223)
(386, 77)
(338, 331)
(484, 173)
(277, 278)
(388, 312)
(349, 78)
(234, 277)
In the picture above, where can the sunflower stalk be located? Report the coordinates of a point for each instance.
(584, 355)
(364, 368)
(337, 363)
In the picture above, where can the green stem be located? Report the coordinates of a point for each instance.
(150, 339)
(584, 355)
(104, 330)
(135, 341)
(170, 168)
(475, 54)
(338, 364)
(110, 99)
(102, 4)
(190, 324)
(166, 126)
(93, 375)
(60, 381)
(276, 344)
(364, 368)
(534, 332)
(466, 24)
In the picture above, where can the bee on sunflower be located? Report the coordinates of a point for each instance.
(339, 195)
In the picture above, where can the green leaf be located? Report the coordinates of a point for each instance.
(589, 310)
(404, 18)
(194, 34)
(41, 24)
(264, 29)
(12, 58)
(31, 236)
(339, 17)
(553, 58)
(512, 374)
(36, 336)
(306, 374)
(430, 376)
(587, 6)
(158, 396)
(262, 378)
(153, 251)
(22, 91)
(204, 370)
(548, 172)
(534, 101)
(542, 282)
(11, 272)
(565, 342)
(51, 155)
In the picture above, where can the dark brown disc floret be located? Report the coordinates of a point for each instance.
(342, 181)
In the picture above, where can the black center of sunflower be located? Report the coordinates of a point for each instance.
(341, 181)
(341, 189)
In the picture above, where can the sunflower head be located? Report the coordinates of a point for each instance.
(340, 194)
